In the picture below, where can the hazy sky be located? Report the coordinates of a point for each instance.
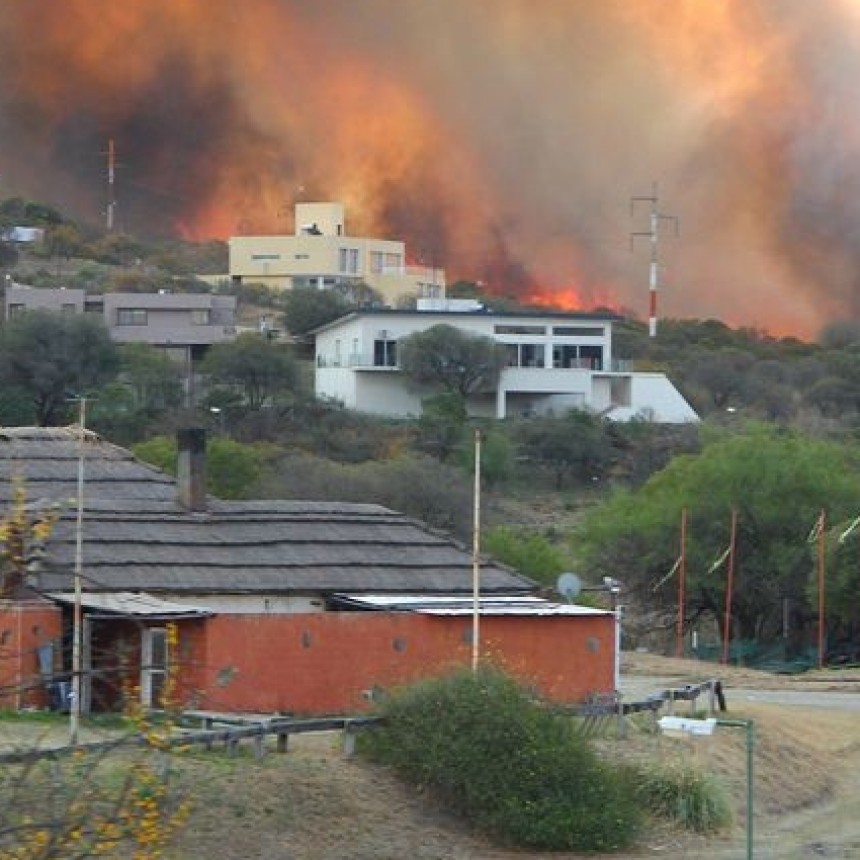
(502, 139)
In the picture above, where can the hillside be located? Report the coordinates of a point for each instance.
(316, 805)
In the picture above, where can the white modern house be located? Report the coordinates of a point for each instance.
(556, 362)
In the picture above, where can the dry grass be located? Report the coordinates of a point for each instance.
(314, 804)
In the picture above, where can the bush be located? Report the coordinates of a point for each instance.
(681, 793)
(530, 553)
(514, 767)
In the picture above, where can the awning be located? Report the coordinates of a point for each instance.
(464, 605)
(130, 604)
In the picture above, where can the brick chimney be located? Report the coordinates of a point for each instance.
(191, 468)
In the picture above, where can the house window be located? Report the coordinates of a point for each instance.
(577, 331)
(525, 354)
(570, 355)
(393, 263)
(592, 357)
(265, 257)
(201, 316)
(385, 353)
(520, 329)
(429, 291)
(131, 316)
(348, 261)
(153, 669)
(16, 308)
(69, 308)
(531, 355)
(377, 262)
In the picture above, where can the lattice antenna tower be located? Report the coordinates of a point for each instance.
(110, 211)
(655, 220)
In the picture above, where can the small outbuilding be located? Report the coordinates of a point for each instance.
(267, 606)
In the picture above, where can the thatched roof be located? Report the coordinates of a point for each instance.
(136, 536)
(46, 458)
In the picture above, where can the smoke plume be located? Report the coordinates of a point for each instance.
(502, 139)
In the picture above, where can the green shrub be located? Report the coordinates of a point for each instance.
(684, 794)
(512, 766)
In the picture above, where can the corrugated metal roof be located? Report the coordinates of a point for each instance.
(453, 604)
(131, 603)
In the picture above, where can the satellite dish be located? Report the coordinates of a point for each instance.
(569, 585)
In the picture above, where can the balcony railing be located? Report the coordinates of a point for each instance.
(367, 362)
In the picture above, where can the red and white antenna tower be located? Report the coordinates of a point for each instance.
(111, 175)
(653, 234)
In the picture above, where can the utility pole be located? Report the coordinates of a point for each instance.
(75, 706)
(653, 234)
(111, 174)
(476, 558)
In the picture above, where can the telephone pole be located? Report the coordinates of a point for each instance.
(653, 234)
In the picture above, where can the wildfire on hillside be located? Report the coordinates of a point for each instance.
(501, 139)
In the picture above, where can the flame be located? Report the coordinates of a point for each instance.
(501, 139)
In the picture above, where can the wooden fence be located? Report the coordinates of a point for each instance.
(213, 728)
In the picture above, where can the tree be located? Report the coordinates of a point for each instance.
(446, 357)
(231, 470)
(307, 308)
(575, 445)
(8, 255)
(778, 483)
(55, 356)
(442, 424)
(260, 368)
(154, 380)
(62, 241)
(529, 552)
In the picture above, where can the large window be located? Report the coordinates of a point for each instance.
(201, 316)
(520, 329)
(571, 355)
(385, 353)
(131, 316)
(577, 331)
(348, 261)
(525, 354)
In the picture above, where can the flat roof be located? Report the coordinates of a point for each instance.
(130, 603)
(457, 604)
(484, 313)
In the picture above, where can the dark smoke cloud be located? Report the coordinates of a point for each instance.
(501, 138)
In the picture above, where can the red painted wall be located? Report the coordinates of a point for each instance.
(24, 626)
(324, 663)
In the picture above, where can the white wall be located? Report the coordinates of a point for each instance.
(250, 604)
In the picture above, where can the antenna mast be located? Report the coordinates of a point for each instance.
(111, 174)
(653, 234)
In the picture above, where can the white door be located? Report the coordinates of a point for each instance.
(153, 667)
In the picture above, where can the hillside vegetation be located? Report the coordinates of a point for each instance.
(568, 492)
